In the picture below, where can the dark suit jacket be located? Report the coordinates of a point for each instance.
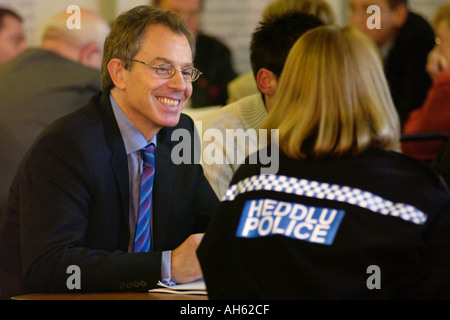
(214, 59)
(36, 88)
(405, 65)
(69, 206)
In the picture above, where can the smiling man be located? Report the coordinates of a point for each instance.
(77, 198)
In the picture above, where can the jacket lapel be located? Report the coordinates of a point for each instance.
(119, 162)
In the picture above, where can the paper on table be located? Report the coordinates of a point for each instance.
(195, 287)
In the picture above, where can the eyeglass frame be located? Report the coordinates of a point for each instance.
(157, 68)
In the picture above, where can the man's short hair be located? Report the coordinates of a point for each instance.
(7, 12)
(157, 3)
(274, 38)
(128, 32)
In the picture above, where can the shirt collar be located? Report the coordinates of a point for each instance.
(133, 139)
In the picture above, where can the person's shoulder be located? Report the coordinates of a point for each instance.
(217, 115)
(80, 123)
(68, 139)
(182, 139)
(244, 82)
(185, 124)
(21, 62)
(77, 71)
(256, 168)
(417, 29)
(231, 112)
(443, 80)
(37, 62)
(71, 69)
(409, 169)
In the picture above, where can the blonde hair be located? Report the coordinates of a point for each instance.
(442, 14)
(318, 8)
(332, 98)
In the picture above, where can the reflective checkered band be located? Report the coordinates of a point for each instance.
(334, 192)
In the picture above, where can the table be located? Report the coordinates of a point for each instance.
(110, 296)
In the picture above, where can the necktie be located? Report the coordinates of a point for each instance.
(142, 242)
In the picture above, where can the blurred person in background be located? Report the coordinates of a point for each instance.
(43, 84)
(212, 57)
(434, 115)
(404, 40)
(12, 38)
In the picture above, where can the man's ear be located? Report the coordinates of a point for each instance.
(400, 15)
(116, 71)
(266, 81)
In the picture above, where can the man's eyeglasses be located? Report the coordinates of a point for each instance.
(167, 71)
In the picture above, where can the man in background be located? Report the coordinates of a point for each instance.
(43, 84)
(404, 39)
(12, 38)
(213, 58)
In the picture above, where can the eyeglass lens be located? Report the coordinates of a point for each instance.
(167, 71)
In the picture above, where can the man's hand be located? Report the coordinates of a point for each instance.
(185, 266)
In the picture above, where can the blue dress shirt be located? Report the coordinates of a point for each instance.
(135, 141)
